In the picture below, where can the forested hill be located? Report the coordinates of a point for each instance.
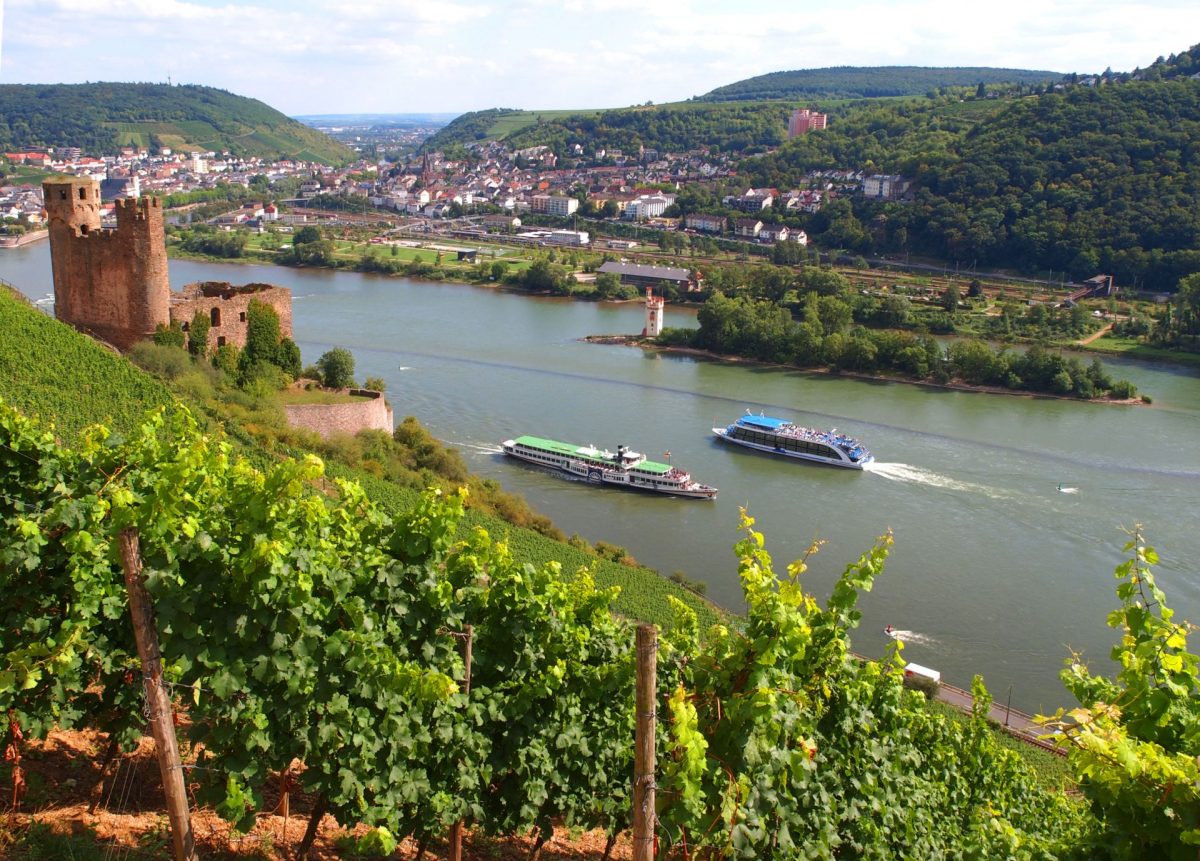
(1185, 65)
(673, 127)
(102, 117)
(868, 82)
(1103, 179)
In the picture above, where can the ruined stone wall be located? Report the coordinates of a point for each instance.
(110, 283)
(348, 418)
(227, 307)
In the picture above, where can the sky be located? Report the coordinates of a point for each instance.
(450, 56)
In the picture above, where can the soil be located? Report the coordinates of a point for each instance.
(63, 777)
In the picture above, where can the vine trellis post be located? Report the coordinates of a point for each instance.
(645, 703)
(158, 703)
(456, 830)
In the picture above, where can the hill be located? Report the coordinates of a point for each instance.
(678, 126)
(103, 117)
(869, 82)
(1086, 180)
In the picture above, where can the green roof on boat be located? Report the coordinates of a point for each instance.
(567, 449)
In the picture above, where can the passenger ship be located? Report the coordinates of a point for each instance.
(782, 437)
(625, 468)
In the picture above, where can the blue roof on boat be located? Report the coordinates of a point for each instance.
(764, 421)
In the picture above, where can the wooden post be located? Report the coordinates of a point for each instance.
(162, 725)
(643, 750)
(456, 830)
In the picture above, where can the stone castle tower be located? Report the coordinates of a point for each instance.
(109, 283)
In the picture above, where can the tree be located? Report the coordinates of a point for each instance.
(288, 358)
(337, 368)
(306, 234)
(608, 284)
(198, 335)
(950, 298)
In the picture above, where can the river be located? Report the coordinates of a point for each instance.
(1008, 512)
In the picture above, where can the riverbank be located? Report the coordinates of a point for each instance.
(24, 239)
(953, 385)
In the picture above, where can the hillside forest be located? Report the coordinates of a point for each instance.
(102, 117)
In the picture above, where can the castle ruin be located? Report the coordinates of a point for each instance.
(113, 284)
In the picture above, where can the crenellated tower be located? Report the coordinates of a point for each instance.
(654, 314)
(110, 283)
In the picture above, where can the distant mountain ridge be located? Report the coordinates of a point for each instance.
(102, 117)
(869, 82)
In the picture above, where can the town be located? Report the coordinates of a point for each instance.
(606, 186)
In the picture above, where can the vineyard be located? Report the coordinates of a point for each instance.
(403, 665)
(46, 369)
(298, 627)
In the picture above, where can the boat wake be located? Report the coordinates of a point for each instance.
(1062, 489)
(918, 475)
(403, 368)
(914, 637)
(482, 449)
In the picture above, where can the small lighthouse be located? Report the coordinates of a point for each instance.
(654, 314)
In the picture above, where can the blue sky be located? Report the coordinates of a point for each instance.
(315, 56)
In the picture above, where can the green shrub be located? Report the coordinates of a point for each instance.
(165, 362)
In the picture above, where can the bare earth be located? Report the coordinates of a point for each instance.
(63, 780)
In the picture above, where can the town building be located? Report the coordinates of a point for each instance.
(553, 204)
(885, 187)
(643, 275)
(754, 200)
(805, 120)
(705, 223)
(747, 228)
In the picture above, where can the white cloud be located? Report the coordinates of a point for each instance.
(306, 56)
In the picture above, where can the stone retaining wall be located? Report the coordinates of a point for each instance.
(349, 418)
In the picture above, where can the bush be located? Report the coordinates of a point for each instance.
(226, 359)
(169, 336)
(166, 362)
(198, 334)
(337, 368)
(375, 384)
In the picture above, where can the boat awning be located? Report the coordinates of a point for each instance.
(765, 422)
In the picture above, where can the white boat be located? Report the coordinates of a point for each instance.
(785, 438)
(624, 468)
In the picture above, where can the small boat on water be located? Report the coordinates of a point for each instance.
(623, 468)
(785, 438)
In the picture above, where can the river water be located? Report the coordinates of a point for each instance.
(1008, 512)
